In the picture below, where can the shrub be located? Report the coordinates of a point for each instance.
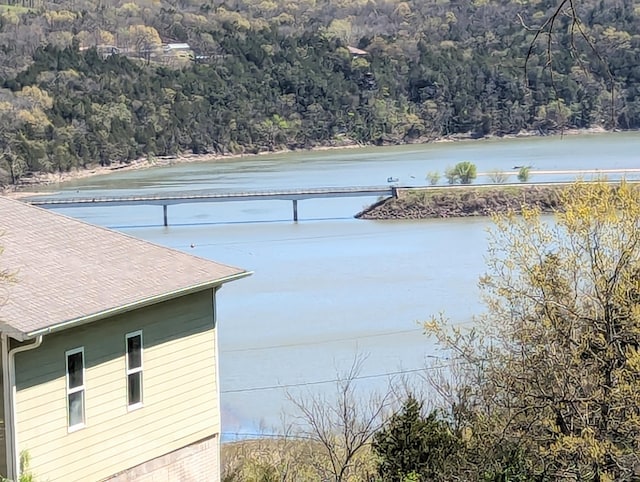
(450, 174)
(433, 177)
(466, 172)
(524, 173)
(498, 177)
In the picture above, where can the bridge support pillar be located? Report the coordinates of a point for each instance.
(295, 210)
(164, 213)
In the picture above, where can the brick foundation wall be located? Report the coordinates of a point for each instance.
(197, 462)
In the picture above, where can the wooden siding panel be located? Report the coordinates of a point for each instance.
(180, 392)
(92, 472)
(113, 394)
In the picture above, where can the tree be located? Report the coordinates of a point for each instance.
(343, 427)
(413, 444)
(451, 175)
(465, 172)
(10, 126)
(23, 121)
(565, 16)
(433, 177)
(552, 368)
(145, 39)
(523, 173)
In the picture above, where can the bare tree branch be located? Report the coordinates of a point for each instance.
(343, 426)
(548, 29)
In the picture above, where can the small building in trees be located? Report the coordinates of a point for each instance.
(177, 53)
(108, 353)
(356, 52)
(176, 47)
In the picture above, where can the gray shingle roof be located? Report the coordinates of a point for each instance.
(68, 270)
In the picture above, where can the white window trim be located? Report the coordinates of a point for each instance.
(134, 406)
(81, 388)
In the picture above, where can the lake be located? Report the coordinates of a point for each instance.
(330, 288)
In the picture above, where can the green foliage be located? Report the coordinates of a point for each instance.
(465, 172)
(433, 177)
(411, 477)
(510, 464)
(523, 173)
(280, 75)
(451, 175)
(25, 472)
(547, 380)
(414, 447)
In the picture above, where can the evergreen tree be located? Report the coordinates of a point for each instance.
(413, 445)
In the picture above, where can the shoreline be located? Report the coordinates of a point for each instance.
(46, 179)
(38, 179)
(465, 201)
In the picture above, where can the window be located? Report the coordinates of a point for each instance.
(134, 369)
(75, 388)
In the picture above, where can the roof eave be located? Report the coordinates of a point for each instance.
(133, 306)
(12, 332)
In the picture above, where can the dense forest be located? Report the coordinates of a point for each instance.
(86, 81)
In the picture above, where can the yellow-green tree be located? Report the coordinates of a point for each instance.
(551, 372)
(145, 39)
(23, 120)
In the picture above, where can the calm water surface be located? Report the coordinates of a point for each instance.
(331, 287)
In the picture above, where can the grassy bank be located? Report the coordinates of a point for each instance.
(464, 201)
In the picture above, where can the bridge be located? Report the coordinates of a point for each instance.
(165, 200)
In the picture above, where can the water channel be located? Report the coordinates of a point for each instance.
(331, 287)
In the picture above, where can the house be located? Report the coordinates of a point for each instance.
(357, 52)
(176, 54)
(109, 353)
(176, 47)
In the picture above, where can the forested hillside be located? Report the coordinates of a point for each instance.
(86, 81)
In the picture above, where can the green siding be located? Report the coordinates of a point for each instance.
(180, 392)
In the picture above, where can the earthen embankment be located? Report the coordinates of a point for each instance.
(463, 201)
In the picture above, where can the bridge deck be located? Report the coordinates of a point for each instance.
(166, 200)
(208, 197)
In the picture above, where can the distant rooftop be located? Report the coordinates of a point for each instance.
(355, 51)
(177, 46)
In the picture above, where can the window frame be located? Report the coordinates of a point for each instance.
(132, 371)
(79, 389)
